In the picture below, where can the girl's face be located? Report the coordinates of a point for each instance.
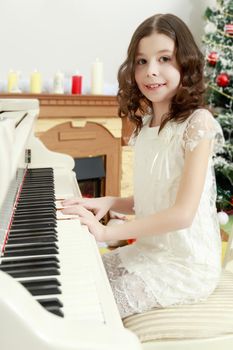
(156, 70)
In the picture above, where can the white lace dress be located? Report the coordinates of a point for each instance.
(177, 267)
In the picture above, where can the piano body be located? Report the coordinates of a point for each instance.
(54, 291)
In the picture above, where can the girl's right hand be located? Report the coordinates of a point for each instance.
(99, 206)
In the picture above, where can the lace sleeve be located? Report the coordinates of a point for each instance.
(202, 125)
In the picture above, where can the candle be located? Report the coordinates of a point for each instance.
(58, 83)
(76, 84)
(35, 83)
(12, 84)
(97, 78)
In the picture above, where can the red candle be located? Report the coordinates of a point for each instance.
(76, 84)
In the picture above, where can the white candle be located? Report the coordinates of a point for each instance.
(97, 78)
(35, 83)
(58, 83)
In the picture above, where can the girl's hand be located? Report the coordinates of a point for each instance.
(99, 206)
(86, 217)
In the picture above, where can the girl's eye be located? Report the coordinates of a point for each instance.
(141, 61)
(164, 59)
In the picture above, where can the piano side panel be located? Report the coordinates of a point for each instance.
(25, 324)
(6, 154)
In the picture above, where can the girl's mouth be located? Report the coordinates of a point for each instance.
(154, 86)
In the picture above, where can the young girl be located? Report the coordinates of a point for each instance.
(176, 256)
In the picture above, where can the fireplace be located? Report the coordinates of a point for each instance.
(90, 173)
(92, 146)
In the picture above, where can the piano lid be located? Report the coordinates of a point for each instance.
(10, 104)
(17, 119)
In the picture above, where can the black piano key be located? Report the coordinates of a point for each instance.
(36, 176)
(44, 183)
(30, 251)
(40, 282)
(42, 203)
(34, 199)
(36, 230)
(32, 239)
(37, 179)
(55, 311)
(30, 246)
(49, 302)
(33, 220)
(24, 263)
(33, 217)
(34, 213)
(35, 206)
(39, 194)
(52, 305)
(37, 188)
(29, 188)
(46, 260)
(41, 224)
(34, 223)
(42, 286)
(33, 173)
(31, 271)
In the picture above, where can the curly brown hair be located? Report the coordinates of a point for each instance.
(132, 103)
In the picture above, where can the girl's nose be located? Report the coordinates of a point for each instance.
(151, 74)
(152, 70)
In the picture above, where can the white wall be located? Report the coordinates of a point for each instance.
(69, 34)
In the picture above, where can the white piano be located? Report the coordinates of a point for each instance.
(54, 291)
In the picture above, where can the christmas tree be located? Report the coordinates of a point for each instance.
(218, 40)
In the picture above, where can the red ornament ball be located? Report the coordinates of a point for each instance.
(223, 80)
(229, 28)
(213, 58)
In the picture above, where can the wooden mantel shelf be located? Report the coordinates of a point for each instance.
(72, 106)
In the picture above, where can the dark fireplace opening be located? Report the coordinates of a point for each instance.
(90, 173)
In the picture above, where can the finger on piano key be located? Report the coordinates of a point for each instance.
(58, 204)
(61, 216)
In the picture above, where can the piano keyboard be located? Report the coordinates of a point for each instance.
(51, 258)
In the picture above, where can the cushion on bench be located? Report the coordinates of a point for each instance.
(206, 319)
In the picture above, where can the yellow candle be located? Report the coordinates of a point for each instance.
(35, 83)
(12, 84)
(97, 78)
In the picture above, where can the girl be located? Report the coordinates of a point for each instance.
(176, 256)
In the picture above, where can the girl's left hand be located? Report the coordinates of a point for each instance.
(86, 217)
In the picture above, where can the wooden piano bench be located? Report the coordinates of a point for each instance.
(202, 326)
